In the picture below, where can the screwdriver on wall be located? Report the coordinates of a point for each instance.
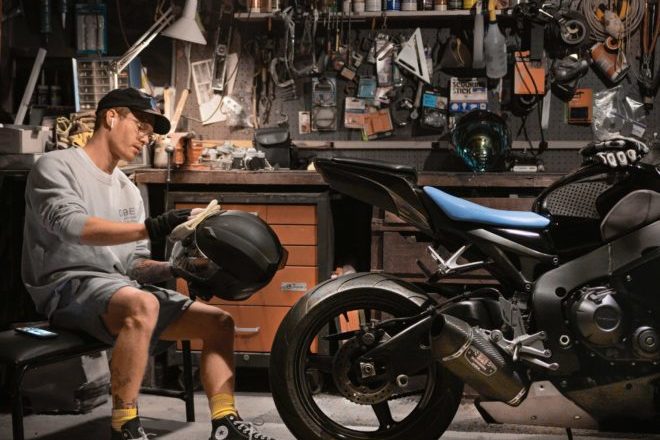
(44, 25)
(63, 11)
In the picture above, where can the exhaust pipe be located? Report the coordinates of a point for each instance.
(474, 359)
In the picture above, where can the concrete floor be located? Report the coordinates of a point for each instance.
(165, 417)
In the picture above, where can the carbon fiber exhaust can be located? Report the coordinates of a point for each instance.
(465, 352)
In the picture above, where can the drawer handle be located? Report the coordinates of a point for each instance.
(247, 330)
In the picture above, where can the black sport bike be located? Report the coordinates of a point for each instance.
(568, 338)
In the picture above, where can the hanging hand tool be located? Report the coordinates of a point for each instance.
(290, 44)
(650, 33)
(178, 110)
(45, 27)
(337, 33)
(222, 44)
(63, 11)
(414, 114)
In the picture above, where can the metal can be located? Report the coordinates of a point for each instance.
(373, 5)
(393, 5)
(409, 5)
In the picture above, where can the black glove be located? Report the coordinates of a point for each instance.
(160, 226)
(614, 152)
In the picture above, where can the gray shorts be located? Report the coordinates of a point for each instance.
(84, 300)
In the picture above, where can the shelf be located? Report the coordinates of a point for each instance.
(421, 144)
(312, 178)
(260, 16)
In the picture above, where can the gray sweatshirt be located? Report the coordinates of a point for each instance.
(64, 189)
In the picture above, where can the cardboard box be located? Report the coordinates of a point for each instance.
(23, 139)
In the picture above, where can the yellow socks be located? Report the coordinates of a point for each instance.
(222, 405)
(121, 416)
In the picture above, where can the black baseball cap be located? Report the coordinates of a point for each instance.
(136, 100)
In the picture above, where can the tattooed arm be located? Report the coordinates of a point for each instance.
(146, 271)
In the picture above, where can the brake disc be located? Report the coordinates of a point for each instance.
(351, 387)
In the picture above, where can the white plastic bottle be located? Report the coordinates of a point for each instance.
(478, 40)
(494, 47)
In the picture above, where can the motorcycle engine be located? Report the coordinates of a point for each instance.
(597, 314)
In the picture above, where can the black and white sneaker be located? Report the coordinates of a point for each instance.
(233, 428)
(131, 430)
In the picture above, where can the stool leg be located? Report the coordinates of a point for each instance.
(17, 403)
(188, 381)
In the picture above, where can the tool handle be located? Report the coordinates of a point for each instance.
(179, 108)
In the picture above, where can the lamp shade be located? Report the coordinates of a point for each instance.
(186, 28)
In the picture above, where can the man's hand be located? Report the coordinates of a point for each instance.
(160, 226)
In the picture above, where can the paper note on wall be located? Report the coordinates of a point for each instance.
(208, 101)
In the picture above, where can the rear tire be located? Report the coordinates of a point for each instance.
(297, 398)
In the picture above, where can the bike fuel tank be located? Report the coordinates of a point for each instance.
(467, 353)
(579, 202)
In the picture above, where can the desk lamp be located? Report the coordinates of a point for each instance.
(185, 28)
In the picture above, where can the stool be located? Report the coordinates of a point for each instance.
(21, 353)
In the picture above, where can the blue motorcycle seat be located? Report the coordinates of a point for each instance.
(465, 211)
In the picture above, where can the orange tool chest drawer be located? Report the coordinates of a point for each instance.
(254, 326)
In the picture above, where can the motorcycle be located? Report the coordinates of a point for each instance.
(568, 338)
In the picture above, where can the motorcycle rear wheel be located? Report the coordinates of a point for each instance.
(420, 413)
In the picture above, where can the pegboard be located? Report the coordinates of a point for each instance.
(242, 89)
(433, 30)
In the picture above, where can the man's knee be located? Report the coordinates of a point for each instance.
(142, 312)
(221, 324)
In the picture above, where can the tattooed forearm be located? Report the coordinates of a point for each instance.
(146, 271)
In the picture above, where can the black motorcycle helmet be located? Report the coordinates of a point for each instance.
(482, 139)
(230, 255)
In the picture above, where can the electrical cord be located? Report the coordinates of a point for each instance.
(543, 144)
(632, 20)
